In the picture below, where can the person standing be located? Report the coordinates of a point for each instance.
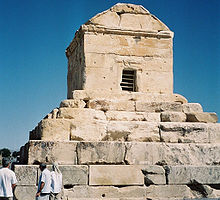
(7, 180)
(56, 183)
(44, 185)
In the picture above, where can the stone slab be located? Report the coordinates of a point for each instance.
(50, 151)
(204, 117)
(182, 175)
(132, 131)
(26, 175)
(81, 113)
(192, 107)
(176, 132)
(74, 175)
(142, 106)
(151, 153)
(154, 174)
(115, 175)
(173, 117)
(105, 192)
(169, 192)
(132, 116)
(100, 152)
(25, 192)
(72, 103)
(105, 105)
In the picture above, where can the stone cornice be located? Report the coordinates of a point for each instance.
(92, 28)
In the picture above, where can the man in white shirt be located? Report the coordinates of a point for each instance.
(7, 180)
(44, 185)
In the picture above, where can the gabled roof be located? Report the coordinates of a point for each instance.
(128, 17)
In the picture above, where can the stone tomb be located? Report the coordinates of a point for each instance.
(122, 133)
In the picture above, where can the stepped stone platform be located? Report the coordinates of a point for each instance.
(123, 134)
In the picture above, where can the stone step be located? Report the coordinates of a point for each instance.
(80, 95)
(101, 130)
(115, 152)
(126, 181)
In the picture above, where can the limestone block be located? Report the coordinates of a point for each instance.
(55, 129)
(158, 106)
(72, 103)
(25, 192)
(192, 107)
(132, 131)
(202, 117)
(74, 175)
(26, 175)
(182, 175)
(106, 105)
(169, 192)
(154, 174)
(173, 117)
(48, 151)
(214, 132)
(115, 175)
(149, 153)
(132, 116)
(106, 192)
(93, 130)
(80, 114)
(100, 152)
(135, 96)
(184, 132)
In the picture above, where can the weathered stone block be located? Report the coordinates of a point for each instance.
(158, 106)
(115, 175)
(100, 152)
(154, 174)
(106, 105)
(47, 151)
(132, 131)
(55, 129)
(93, 130)
(192, 107)
(74, 175)
(81, 114)
(72, 103)
(26, 175)
(106, 192)
(184, 132)
(25, 192)
(202, 117)
(182, 175)
(150, 153)
(132, 116)
(173, 117)
(168, 192)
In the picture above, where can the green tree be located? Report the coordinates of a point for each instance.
(5, 152)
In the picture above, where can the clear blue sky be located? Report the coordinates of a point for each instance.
(33, 67)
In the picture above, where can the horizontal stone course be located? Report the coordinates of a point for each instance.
(135, 96)
(116, 152)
